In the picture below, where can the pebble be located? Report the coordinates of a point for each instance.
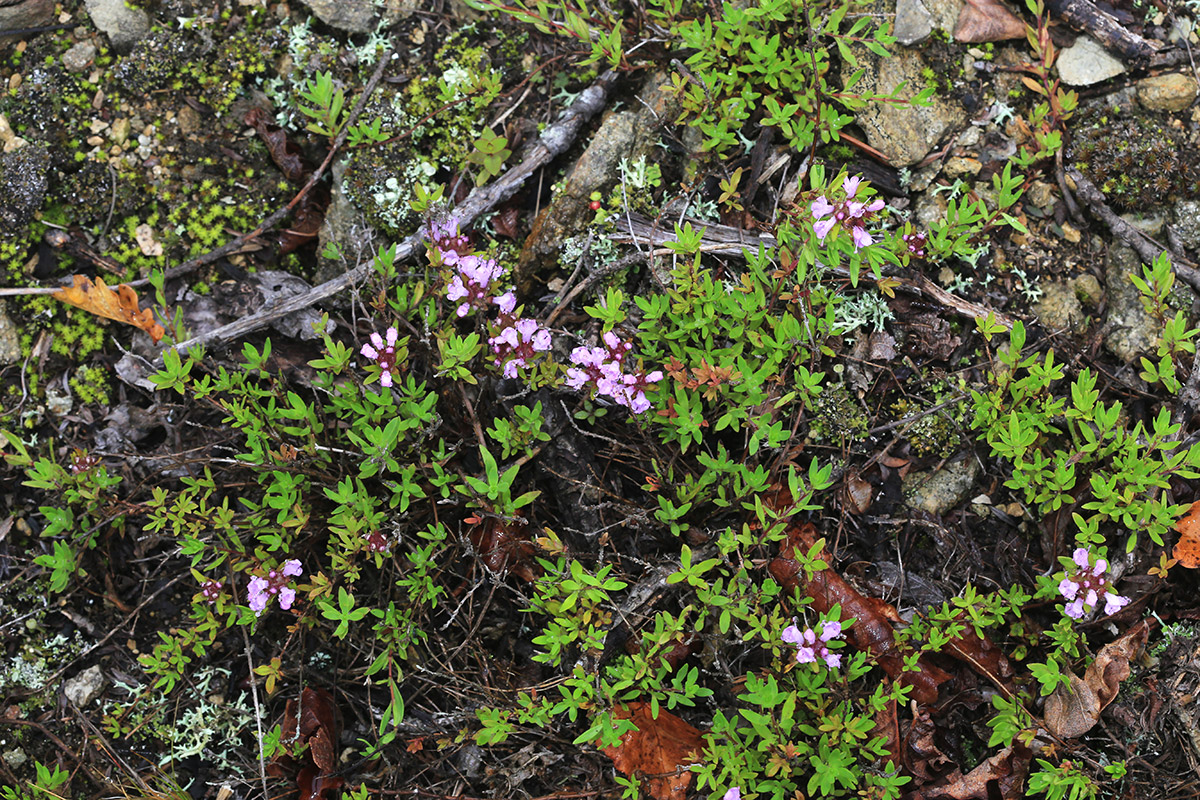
(1170, 92)
(1087, 62)
(79, 57)
(84, 687)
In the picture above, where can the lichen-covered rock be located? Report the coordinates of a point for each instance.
(23, 183)
(1169, 92)
(1059, 309)
(10, 341)
(1187, 223)
(941, 490)
(79, 57)
(904, 134)
(1130, 331)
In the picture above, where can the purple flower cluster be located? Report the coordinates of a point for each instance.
(382, 351)
(813, 648)
(261, 589)
(916, 242)
(210, 591)
(516, 342)
(733, 793)
(850, 214)
(1086, 584)
(473, 283)
(602, 366)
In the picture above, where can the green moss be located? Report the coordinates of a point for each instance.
(1138, 161)
(837, 416)
(90, 385)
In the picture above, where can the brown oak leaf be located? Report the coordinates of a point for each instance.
(120, 305)
(661, 750)
(987, 21)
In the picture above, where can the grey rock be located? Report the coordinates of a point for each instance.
(904, 134)
(944, 13)
(1059, 308)
(1187, 223)
(79, 57)
(914, 23)
(1087, 62)
(14, 758)
(1150, 223)
(276, 286)
(1129, 330)
(123, 25)
(84, 687)
(10, 341)
(349, 17)
(1169, 92)
(24, 14)
(23, 183)
(939, 491)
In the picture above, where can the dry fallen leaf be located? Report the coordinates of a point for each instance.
(987, 21)
(1074, 709)
(1187, 549)
(121, 305)
(660, 749)
(1001, 776)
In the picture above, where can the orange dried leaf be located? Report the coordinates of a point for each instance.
(987, 21)
(1187, 549)
(660, 749)
(121, 305)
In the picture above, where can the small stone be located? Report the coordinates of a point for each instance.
(84, 687)
(1087, 62)
(144, 235)
(1041, 194)
(1071, 233)
(1088, 289)
(349, 17)
(940, 491)
(14, 82)
(79, 57)
(120, 131)
(95, 141)
(1170, 92)
(1149, 224)
(22, 15)
(14, 758)
(189, 120)
(1059, 309)
(97, 126)
(959, 166)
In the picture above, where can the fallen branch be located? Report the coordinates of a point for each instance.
(1083, 16)
(1146, 248)
(554, 141)
(724, 240)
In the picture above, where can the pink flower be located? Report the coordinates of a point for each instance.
(734, 793)
(1085, 584)
(260, 589)
(852, 215)
(603, 367)
(383, 352)
(812, 648)
(210, 590)
(517, 343)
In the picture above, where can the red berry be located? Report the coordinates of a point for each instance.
(594, 205)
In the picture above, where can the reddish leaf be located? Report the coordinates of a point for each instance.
(661, 750)
(504, 549)
(319, 726)
(286, 154)
(506, 221)
(121, 305)
(987, 21)
(921, 755)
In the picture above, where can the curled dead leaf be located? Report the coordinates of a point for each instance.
(1075, 708)
(987, 21)
(120, 305)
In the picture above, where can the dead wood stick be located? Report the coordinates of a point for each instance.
(1146, 248)
(554, 141)
(725, 240)
(1086, 17)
